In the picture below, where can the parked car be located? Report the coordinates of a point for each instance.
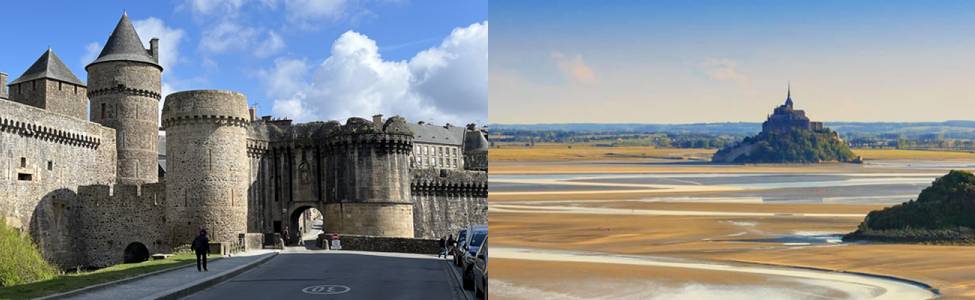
(458, 252)
(475, 237)
(481, 271)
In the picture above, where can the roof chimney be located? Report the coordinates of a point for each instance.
(3, 85)
(154, 49)
(253, 113)
(377, 119)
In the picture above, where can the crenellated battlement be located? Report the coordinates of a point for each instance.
(121, 89)
(449, 182)
(122, 195)
(191, 120)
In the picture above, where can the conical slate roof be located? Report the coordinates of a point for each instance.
(48, 66)
(124, 45)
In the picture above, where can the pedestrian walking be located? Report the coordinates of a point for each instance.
(443, 248)
(450, 244)
(201, 245)
(284, 235)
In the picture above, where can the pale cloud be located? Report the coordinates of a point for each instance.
(206, 7)
(169, 40)
(573, 67)
(227, 35)
(447, 83)
(272, 43)
(305, 10)
(91, 53)
(722, 69)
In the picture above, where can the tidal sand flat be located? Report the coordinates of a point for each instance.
(768, 216)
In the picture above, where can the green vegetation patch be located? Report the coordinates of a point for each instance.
(792, 146)
(73, 281)
(20, 260)
(942, 213)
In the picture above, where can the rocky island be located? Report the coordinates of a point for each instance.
(943, 213)
(788, 136)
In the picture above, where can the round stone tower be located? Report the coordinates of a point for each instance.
(206, 148)
(372, 178)
(124, 85)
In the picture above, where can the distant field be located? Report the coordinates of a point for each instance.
(564, 152)
(581, 152)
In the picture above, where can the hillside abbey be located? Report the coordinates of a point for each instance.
(94, 182)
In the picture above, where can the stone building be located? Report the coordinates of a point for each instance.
(785, 117)
(85, 180)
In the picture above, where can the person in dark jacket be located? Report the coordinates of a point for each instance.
(450, 245)
(443, 247)
(201, 245)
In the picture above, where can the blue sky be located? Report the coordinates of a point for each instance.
(710, 61)
(280, 53)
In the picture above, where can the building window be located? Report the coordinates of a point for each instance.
(24, 177)
(104, 111)
(23, 162)
(50, 165)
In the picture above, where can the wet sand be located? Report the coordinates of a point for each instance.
(801, 235)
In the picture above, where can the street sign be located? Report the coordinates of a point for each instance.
(326, 289)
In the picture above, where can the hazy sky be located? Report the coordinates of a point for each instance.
(712, 61)
(303, 59)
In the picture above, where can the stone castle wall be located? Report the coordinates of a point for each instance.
(113, 218)
(445, 201)
(206, 138)
(54, 96)
(125, 96)
(44, 157)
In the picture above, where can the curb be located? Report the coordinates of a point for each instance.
(458, 283)
(102, 285)
(193, 287)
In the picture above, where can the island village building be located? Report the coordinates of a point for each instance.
(784, 118)
(94, 184)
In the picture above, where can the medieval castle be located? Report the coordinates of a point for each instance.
(95, 183)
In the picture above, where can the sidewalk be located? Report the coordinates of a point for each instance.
(180, 282)
(456, 273)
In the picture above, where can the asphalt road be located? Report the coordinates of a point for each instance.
(340, 275)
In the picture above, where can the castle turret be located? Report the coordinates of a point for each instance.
(207, 178)
(50, 85)
(125, 85)
(372, 178)
(3, 85)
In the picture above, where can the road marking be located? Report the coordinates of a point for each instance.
(326, 289)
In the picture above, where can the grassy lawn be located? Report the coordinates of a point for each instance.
(578, 152)
(73, 281)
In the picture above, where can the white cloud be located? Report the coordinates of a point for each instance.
(169, 40)
(574, 68)
(227, 35)
(206, 7)
(305, 10)
(91, 53)
(447, 83)
(722, 69)
(271, 45)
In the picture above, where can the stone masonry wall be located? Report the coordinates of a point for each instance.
(54, 96)
(206, 148)
(44, 157)
(390, 244)
(445, 201)
(125, 96)
(110, 218)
